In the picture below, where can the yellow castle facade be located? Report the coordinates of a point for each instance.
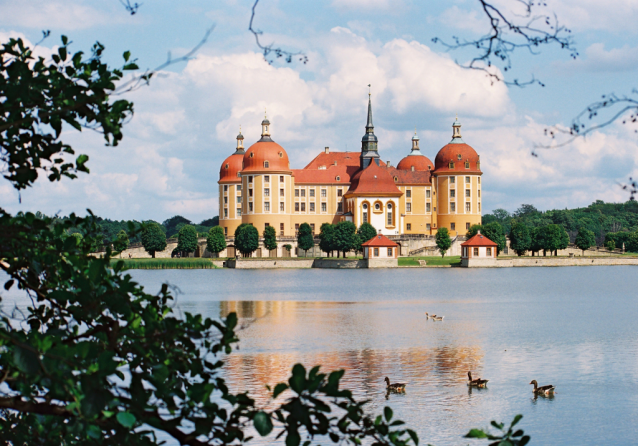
(257, 186)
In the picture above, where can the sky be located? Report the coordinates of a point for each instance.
(186, 120)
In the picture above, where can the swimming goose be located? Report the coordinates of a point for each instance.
(438, 318)
(545, 390)
(478, 382)
(396, 387)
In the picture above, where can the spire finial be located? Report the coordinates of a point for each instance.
(265, 113)
(369, 90)
(415, 130)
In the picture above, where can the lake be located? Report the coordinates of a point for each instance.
(574, 327)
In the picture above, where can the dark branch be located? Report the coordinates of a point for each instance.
(268, 49)
(506, 35)
(131, 8)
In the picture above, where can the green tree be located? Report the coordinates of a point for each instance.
(345, 237)
(327, 238)
(153, 238)
(366, 232)
(610, 245)
(270, 238)
(632, 242)
(552, 238)
(187, 239)
(443, 240)
(474, 229)
(520, 238)
(246, 239)
(121, 242)
(494, 231)
(305, 239)
(585, 239)
(216, 240)
(174, 224)
(536, 235)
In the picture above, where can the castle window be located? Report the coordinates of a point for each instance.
(459, 156)
(312, 207)
(225, 231)
(267, 177)
(239, 173)
(488, 252)
(339, 192)
(266, 192)
(467, 180)
(225, 188)
(452, 180)
(225, 213)
(281, 154)
(467, 164)
(239, 199)
(452, 193)
(467, 193)
(453, 207)
(251, 154)
(467, 226)
(281, 228)
(266, 164)
(296, 228)
(396, 179)
(303, 192)
(377, 206)
(250, 178)
(408, 227)
(296, 207)
(453, 226)
(479, 193)
(479, 180)
(365, 213)
(281, 207)
(338, 178)
(468, 207)
(225, 200)
(427, 207)
(389, 252)
(339, 207)
(376, 252)
(311, 192)
(428, 227)
(296, 192)
(324, 208)
(267, 206)
(429, 167)
(281, 178)
(281, 192)
(239, 188)
(476, 252)
(451, 165)
(250, 207)
(226, 166)
(312, 227)
(323, 193)
(303, 207)
(408, 207)
(239, 212)
(250, 192)
(390, 219)
(479, 207)
(408, 193)
(427, 193)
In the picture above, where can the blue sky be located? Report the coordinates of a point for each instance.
(186, 121)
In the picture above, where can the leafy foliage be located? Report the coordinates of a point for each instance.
(443, 240)
(121, 242)
(507, 437)
(345, 237)
(246, 239)
(327, 241)
(270, 238)
(153, 238)
(585, 239)
(520, 238)
(216, 240)
(187, 239)
(172, 223)
(493, 231)
(305, 239)
(366, 232)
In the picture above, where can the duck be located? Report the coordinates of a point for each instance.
(478, 382)
(543, 390)
(438, 318)
(427, 316)
(396, 387)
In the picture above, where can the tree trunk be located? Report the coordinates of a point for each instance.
(153, 254)
(544, 253)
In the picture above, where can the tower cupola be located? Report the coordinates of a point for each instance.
(415, 145)
(456, 132)
(265, 129)
(240, 143)
(369, 150)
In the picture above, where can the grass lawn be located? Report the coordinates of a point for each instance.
(430, 260)
(185, 263)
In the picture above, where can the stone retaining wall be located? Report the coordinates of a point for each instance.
(285, 263)
(567, 261)
(383, 263)
(340, 263)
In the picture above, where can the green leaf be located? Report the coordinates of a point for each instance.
(476, 433)
(517, 418)
(298, 379)
(388, 413)
(126, 419)
(263, 423)
(293, 439)
(127, 56)
(278, 389)
(94, 432)
(413, 436)
(8, 284)
(26, 360)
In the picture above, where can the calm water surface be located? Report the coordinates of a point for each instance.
(575, 328)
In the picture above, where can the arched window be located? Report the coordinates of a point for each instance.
(377, 206)
(266, 164)
(226, 166)
(396, 179)
(459, 156)
(338, 178)
(390, 219)
(365, 213)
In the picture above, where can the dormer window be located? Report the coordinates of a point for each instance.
(266, 164)
(338, 178)
(281, 154)
(251, 154)
(226, 166)
(396, 179)
(459, 156)
(451, 165)
(467, 164)
(429, 167)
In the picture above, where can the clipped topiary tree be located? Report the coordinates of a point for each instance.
(246, 239)
(187, 239)
(216, 240)
(270, 238)
(585, 239)
(305, 239)
(153, 238)
(520, 238)
(443, 240)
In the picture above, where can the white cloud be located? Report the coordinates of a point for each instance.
(362, 4)
(598, 59)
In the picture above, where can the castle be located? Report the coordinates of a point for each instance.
(258, 187)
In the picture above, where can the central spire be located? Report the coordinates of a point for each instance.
(369, 141)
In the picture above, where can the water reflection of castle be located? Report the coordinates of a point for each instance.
(279, 334)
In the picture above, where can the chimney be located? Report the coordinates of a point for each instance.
(412, 168)
(335, 162)
(327, 149)
(388, 163)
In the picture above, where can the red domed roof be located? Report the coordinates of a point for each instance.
(419, 162)
(459, 154)
(266, 151)
(230, 167)
(373, 180)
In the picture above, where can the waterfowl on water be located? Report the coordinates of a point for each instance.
(438, 318)
(478, 382)
(396, 387)
(427, 316)
(543, 390)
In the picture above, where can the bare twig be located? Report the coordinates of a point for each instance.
(268, 49)
(506, 36)
(130, 7)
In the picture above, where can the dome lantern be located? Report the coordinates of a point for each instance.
(265, 129)
(240, 143)
(456, 132)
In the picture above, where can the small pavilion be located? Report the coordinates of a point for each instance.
(380, 247)
(478, 251)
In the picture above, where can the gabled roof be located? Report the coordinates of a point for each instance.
(380, 241)
(373, 180)
(479, 240)
(324, 176)
(341, 158)
(410, 176)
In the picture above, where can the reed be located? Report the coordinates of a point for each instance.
(186, 263)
